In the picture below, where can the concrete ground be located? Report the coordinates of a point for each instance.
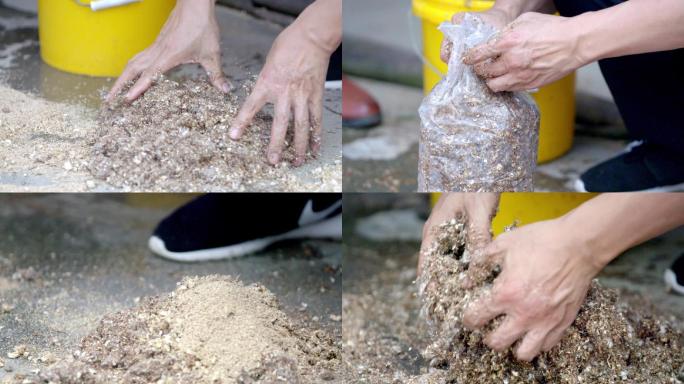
(381, 42)
(91, 258)
(380, 306)
(245, 42)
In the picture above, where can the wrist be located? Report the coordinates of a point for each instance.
(508, 10)
(201, 6)
(593, 245)
(321, 24)
(314, 34)
(583, 28)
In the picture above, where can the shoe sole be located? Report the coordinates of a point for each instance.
(671, 281)
(326, 229)
(333, 84)
(579, 187)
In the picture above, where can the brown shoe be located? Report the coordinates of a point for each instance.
(359, 109)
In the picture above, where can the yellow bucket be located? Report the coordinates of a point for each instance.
(529, 207)
(76, 39)
(556, 101)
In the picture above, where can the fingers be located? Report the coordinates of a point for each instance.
(491, 68)
(480, 312)
(457, 18)
(425, 243)
(252, 105)
(557, 333)
(478, 232)
(482, 263)
(502, 83)
(216, 77)
(130, 72)
(531, 345)
(279, 130)
(143, 84)
(482, 52)
(316, 121)
(301, 134)
(553, 337)
(505, 334)
(445, 50)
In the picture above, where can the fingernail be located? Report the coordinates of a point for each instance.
(233, 133)
(273, 158)
(225, 87)
(298, 161)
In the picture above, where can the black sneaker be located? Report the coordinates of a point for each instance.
(221, 226)
(642, 167)
(674, 276)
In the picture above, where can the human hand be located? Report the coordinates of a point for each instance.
(293, 79)
(532, 51)
(498, 18)
(190, 35)
(478, 208)
(546, 271)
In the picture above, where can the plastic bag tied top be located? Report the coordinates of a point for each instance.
(473, 139)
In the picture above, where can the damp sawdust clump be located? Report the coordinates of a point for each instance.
(210, 329)
(175, 137)
(609, 342)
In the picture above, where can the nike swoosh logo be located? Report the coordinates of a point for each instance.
(308, 215)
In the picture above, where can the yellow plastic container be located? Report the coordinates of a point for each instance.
(76, 39)
(529, 207)
(556, 101)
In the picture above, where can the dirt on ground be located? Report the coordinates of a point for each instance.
(41, 137)
(607, 343)
(382, 332)
(211, 329)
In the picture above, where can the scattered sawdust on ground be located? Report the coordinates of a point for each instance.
(607, 343)
(175, 138)
(38, 135)
(382, 333)
(210, 329)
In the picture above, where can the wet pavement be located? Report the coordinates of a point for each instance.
(90, 257)
(383, 333)
(245, 42)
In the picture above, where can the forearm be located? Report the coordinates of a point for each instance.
(321, 23)
(515, 8)
(611, 223)
(202, 10)
(198, 5)
(635, 26)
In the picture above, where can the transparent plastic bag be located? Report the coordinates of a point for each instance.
(473, 139)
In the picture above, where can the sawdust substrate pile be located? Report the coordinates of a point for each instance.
(210, 329)
(37, 133)
(607, 343)
(175, 137)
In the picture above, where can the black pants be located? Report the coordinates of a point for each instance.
(648, 88)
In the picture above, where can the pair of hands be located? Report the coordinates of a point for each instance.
(292, 78)
(530, 51)
(545, 274)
